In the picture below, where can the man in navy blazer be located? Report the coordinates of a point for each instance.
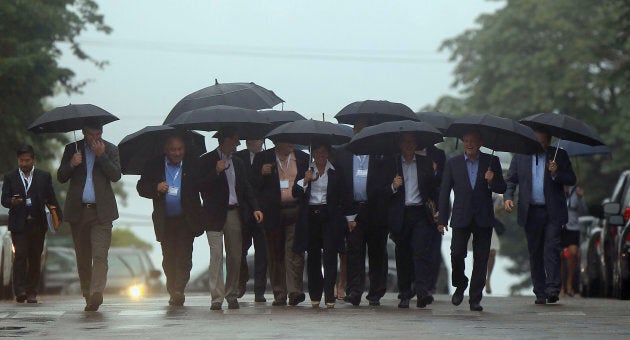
(542, 211)
(25, 191)
(473, 177)
(412, 189)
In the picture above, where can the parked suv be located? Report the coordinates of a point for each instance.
(6, 255)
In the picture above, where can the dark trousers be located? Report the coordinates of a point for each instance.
(254, 234)
(371, 237)
(413, 254)
(177, 248)
(543, 243)
(321, 242)
(436, 258)
(28, 245)
(481, 252)
(91, 244)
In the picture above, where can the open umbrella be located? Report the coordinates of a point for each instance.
(308, 132)
(376, 111)
(135, 149)
(439, 120)
(497, 133)
(246, 122)
(564, 127)
(382, 139)
(247, 95)
(575, 149)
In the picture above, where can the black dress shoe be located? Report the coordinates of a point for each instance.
(476, 307)
(282, 302)
(177, 299)
(96, 300)
(375, 302)
(552, 299)
(20, 298)
(424, 301)
(296, 299)
(404, 303)
(458, 296)
(31, 299)
(215, 306)
(260, 298)
(540, 300)
(355, 300)
(233, 305)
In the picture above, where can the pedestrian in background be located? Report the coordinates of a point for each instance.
(570, 237)
(25, 192)
(91, 165)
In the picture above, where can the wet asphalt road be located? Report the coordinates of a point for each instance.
(62, 317)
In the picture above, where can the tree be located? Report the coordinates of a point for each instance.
(30, 32)
(563, 56)
(124, 237)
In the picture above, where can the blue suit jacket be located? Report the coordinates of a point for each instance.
(520, 174)
(469, 204)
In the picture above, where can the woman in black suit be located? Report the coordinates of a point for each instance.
(320, 226)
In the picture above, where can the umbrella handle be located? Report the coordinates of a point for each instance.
(557, 147)
(76, 145)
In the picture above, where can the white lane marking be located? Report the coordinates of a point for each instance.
(567, 313)
(141, 312)
(39, 313)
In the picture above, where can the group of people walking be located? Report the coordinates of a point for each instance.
(291, 205)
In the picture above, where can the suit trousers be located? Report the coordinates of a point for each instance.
(219, 289)
(436, 258)
(28, 245)
(254, 234)
(370, 237)
(91, 245)
(177, 248)
(413, 253)
(321, 245)
(481, 252)
(543, 243)
(286, 267)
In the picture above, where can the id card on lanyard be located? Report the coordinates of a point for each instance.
(27, 186)
(284, 184)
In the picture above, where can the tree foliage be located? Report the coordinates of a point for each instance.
(124, 237)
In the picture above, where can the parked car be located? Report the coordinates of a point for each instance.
(6, 255)
(590, 269)
(618, 249)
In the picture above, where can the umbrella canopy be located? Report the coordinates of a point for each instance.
(439, 120)
(308, 132)
(376, 111)
(382, 139)
(497, 133)
(275, 119)
(247, 95)
(574, 149)
(137, 148)
(564, 127)
(70, 118)
(246, 122)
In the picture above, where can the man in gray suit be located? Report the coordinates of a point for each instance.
(91, 165)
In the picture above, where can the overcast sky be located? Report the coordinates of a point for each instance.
(317, 55)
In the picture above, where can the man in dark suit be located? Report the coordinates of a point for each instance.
(367, 224)
(473, 177)
(253, 233)
(171, 181)
(228, 200)
(91, 165)
(25, 192)
(542, 211)
(409, 218)
(274, 174)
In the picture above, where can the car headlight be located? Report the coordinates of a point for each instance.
(136, 291)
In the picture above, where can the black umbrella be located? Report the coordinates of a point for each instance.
(71, 118)
(439, 120)
(375, 111)
(564, 127)
(575, 149)
(308, 132)
(382, 139)
(135, 149)
(275, 118)
(497, 133)
(246, 122)
(246, 95)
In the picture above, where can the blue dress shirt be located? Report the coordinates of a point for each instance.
(538, 178)
(88, 189)
(473, 169)
(173, 176)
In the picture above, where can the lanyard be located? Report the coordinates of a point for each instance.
(362, 159)
(179, 168)
(27, 181)
(280, 163)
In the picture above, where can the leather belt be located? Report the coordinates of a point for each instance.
(317, 208)
(232, 206)
(89, 205)
(536, 205)
(361, 204)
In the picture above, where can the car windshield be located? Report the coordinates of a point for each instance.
(59, 262)
(125, 265)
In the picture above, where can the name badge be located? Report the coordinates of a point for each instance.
(362, 173)
(28, 202)
(173, 191)
(284, 184)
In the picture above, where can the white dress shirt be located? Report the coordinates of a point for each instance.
(231, 176)
(319, 187)
(410, 178)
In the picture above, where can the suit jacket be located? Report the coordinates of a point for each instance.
(268, 186)
(377, 213)
(153, 174)
(41, 192)
(215, 191)
(520, 174)
(469, 204)
(106, 170)
(426, 184)
(337, 204)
